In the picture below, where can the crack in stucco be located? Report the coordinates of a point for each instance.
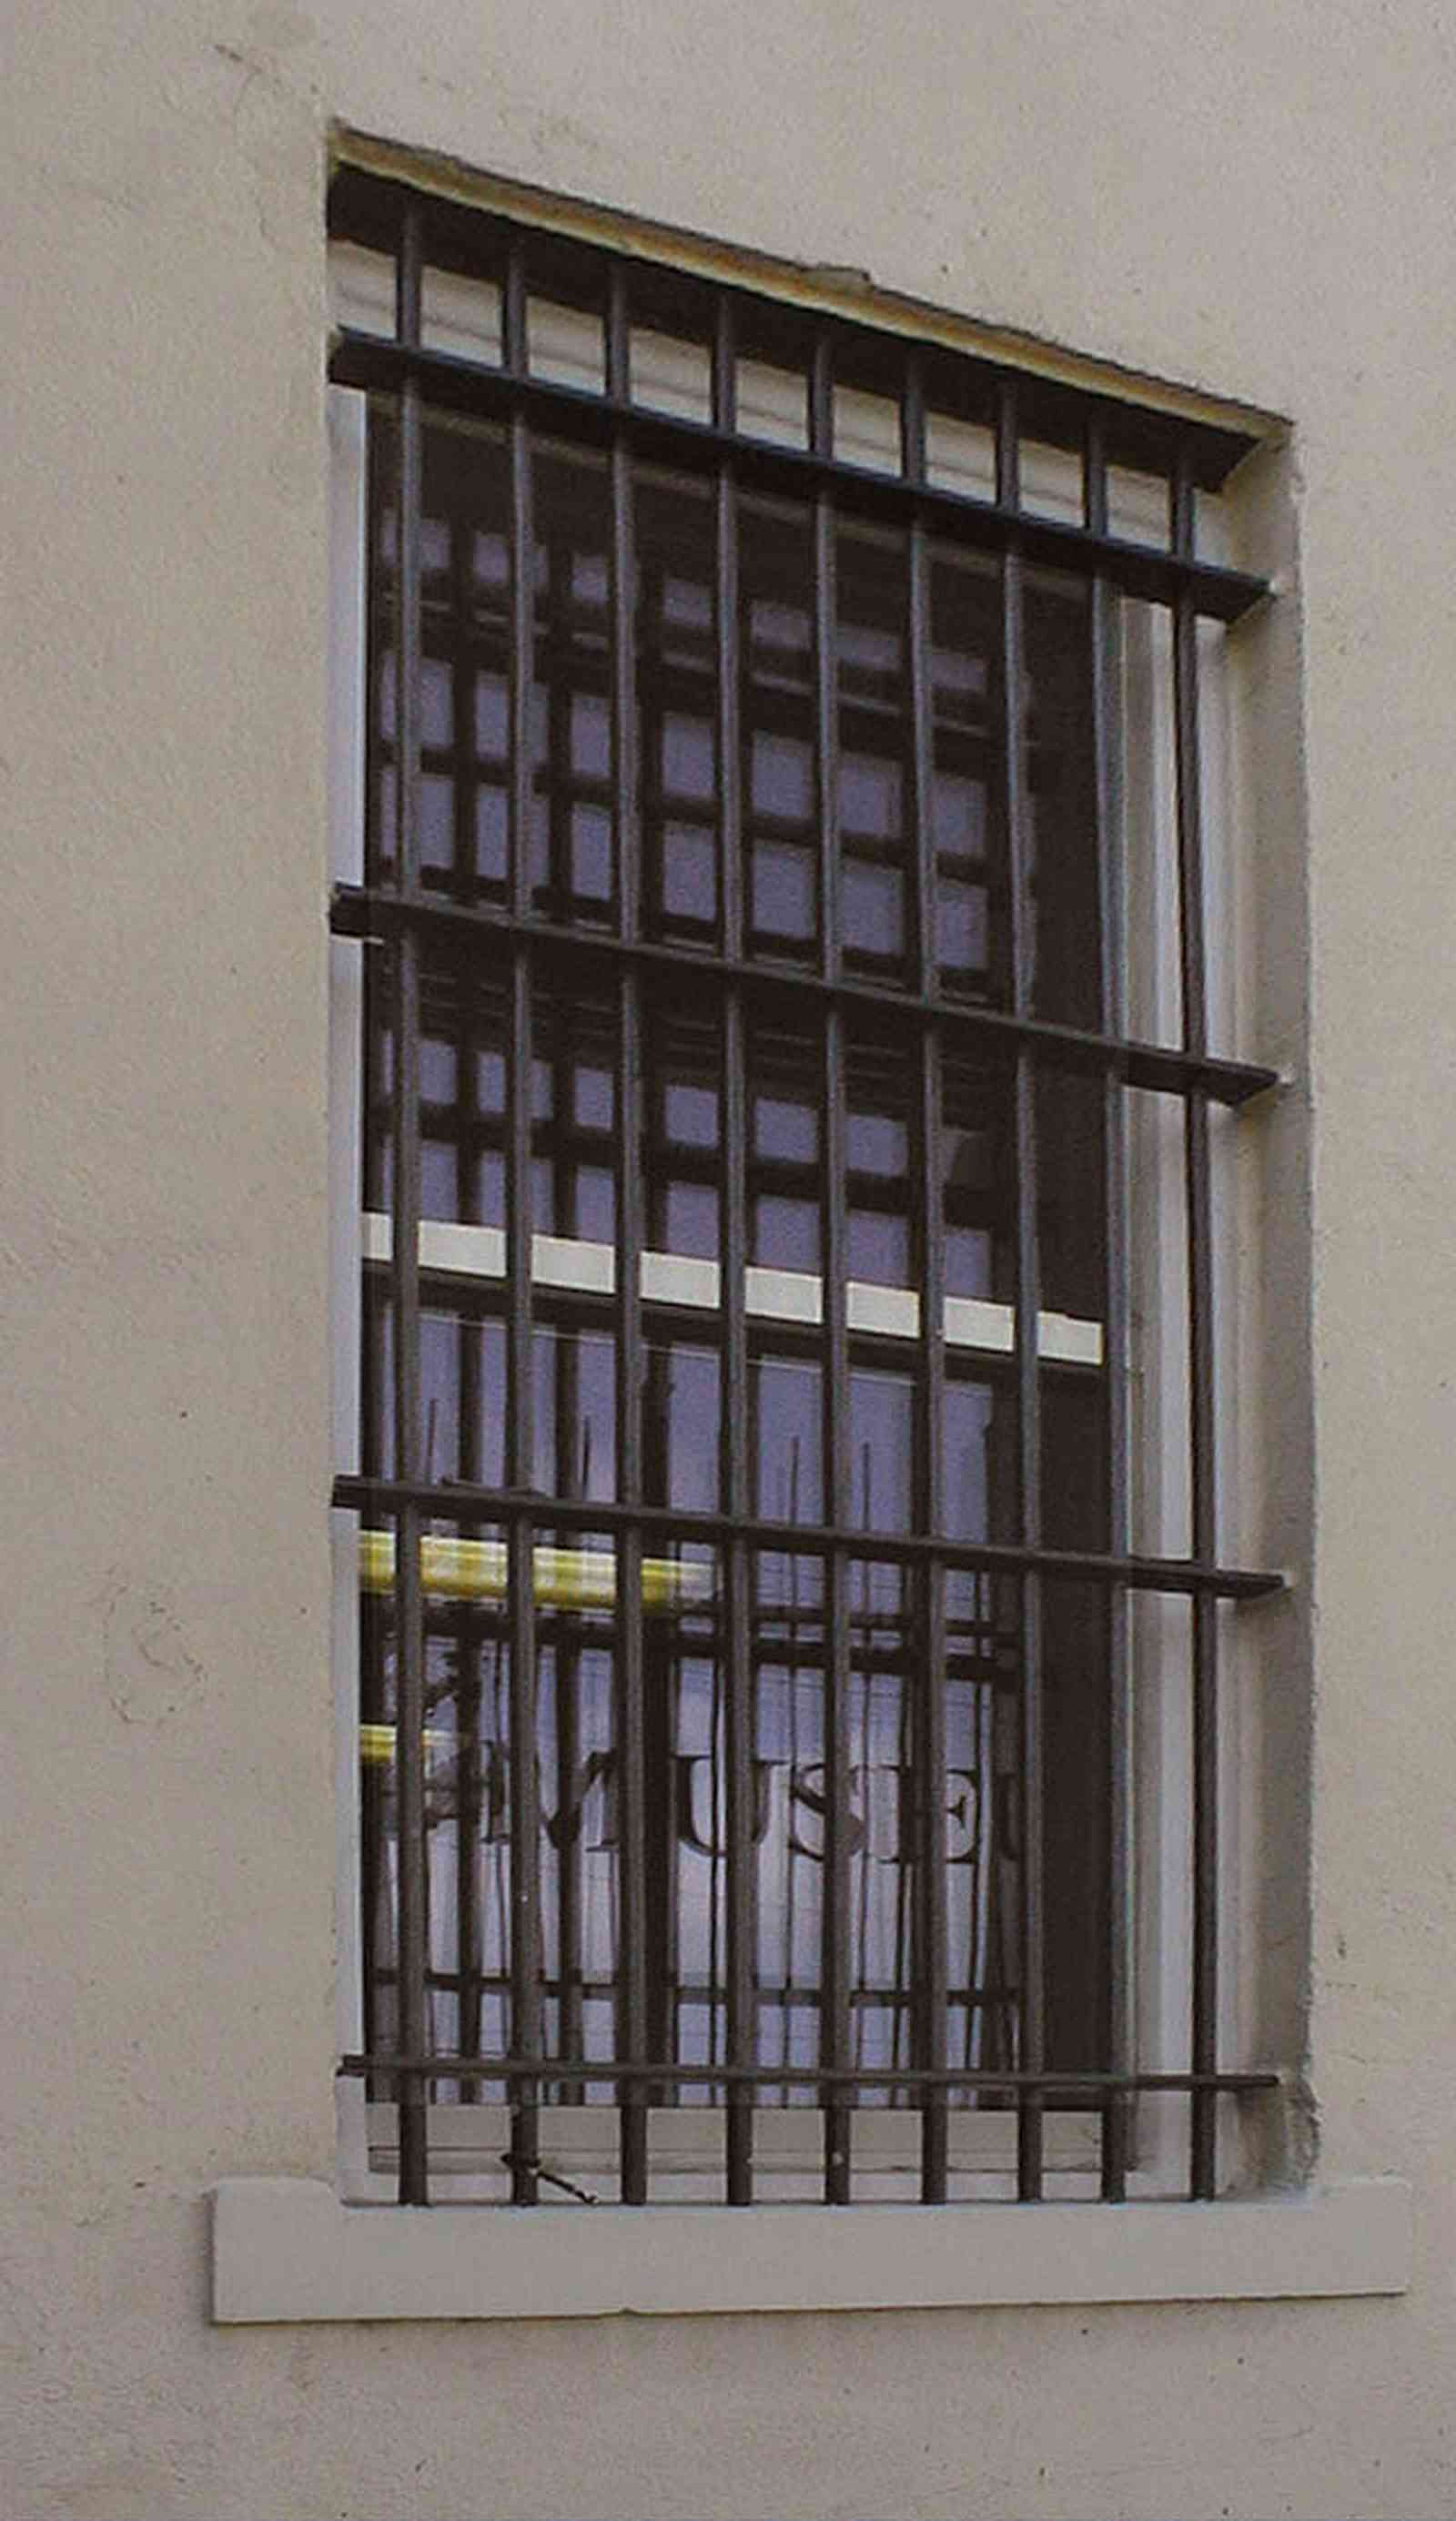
(151, 1675)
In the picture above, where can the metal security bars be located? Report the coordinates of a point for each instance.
(751, 1192)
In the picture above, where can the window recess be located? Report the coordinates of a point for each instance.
(756, 1181)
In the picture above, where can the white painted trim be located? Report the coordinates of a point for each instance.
(1069, 1340)
(347, 422)
(893, 1312)
(563, 1260)
(972, 1322)
(288, 2250)
(784, 1295)
(680, 1278)
(454, 1251)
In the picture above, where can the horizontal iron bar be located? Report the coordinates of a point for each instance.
(370, 363)
(464, 1501)
(863, 1999)
(367, 207)
(981, 2079)
(374, 912)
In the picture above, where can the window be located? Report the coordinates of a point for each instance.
(789, 1315)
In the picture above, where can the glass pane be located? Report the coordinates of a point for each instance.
(875, 732)
(978, 1151)
(466, 1788)
(462, 1386)
(781, 835)
(877, 1726)
(873, 897)
(1074, 1458)
(1074, 1821)
(973, 928)
(1071, 1208)
(463, 696)
(785, 898)
(1160, 1383)
(881, 1713)
(575, 1411)
(573, 809)
(789, 1757)
(469, 1758)
(464, 1396)
(979, 1455)
(785, 1417)
(879, 1152)
(881, 1445)
(687, 878)
(784, 1185)
(677, 704)
(682, 1427)
(1062, 800)
(683, 1066)
(463, 1025)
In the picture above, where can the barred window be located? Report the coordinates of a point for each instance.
(790, 1104)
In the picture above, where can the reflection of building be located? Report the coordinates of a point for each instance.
(885, 1269)
(469, 1805)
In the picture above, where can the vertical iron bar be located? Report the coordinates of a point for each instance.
(525, 1820)
(838, 1744)
(631, 1711)
(1103, 632)
(833, 2019)
(468, 1942)
(931, 1968)
(736, 1469)
(1189, 797)
(409, 1769)
(567, 1663)
(523, 643)
(1032, 2056)
(469, 1948)
(1203, 2162)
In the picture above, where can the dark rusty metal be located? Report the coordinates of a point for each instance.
(374, 914)
(372, 365)
(409, 1640)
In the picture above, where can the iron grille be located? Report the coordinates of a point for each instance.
(745, 1236)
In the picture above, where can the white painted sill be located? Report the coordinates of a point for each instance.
(288, 2250)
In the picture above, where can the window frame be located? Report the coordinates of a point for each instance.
(350, 605)
(290, 2249)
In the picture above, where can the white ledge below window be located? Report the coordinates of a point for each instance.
(288, 2250)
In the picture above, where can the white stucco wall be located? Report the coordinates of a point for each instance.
(1253, 202)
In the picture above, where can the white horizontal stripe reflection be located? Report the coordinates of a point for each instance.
(454, 1251)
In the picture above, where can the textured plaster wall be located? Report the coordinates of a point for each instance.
(1259, 202)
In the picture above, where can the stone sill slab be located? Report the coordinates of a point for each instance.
(288, 2250)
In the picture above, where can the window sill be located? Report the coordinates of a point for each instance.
(288, 2250)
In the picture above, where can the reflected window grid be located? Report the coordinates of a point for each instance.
(575, 842)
